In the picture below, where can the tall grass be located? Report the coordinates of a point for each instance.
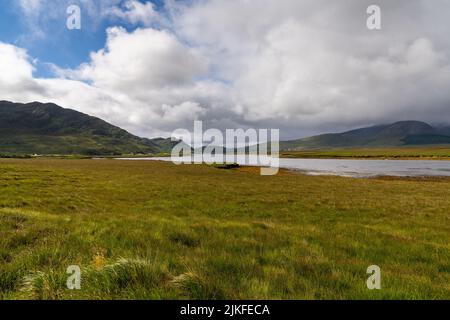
(151, 230)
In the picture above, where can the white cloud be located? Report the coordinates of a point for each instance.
(146, 88)
(303, 66)
(47, 18)
(15, 66)
(137, 12)
(30, 6)
(313, 65)
(144, 59)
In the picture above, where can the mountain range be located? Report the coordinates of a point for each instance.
(403, 133)
(48, 129)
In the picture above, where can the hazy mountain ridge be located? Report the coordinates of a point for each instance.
(47, 129)
(403, 133)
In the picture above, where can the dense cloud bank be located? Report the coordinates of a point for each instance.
(304, 66)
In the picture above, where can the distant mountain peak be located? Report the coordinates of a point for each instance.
(400, 133)
(411, 127)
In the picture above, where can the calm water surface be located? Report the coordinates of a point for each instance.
(355, 168)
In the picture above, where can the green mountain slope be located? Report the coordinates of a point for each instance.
(404, 133)
(47, 129)
(37, 128)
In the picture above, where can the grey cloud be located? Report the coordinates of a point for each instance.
(304, 66)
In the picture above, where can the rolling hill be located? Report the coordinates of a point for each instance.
(47, 129)
(404, 133)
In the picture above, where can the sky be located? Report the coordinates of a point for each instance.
(302, 66)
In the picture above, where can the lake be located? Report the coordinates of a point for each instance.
(354, 168)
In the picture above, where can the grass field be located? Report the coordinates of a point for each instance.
(413, 153)
(153, 230)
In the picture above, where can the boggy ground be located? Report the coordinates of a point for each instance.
(153, 230)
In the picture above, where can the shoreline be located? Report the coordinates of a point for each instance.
(418, 158)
